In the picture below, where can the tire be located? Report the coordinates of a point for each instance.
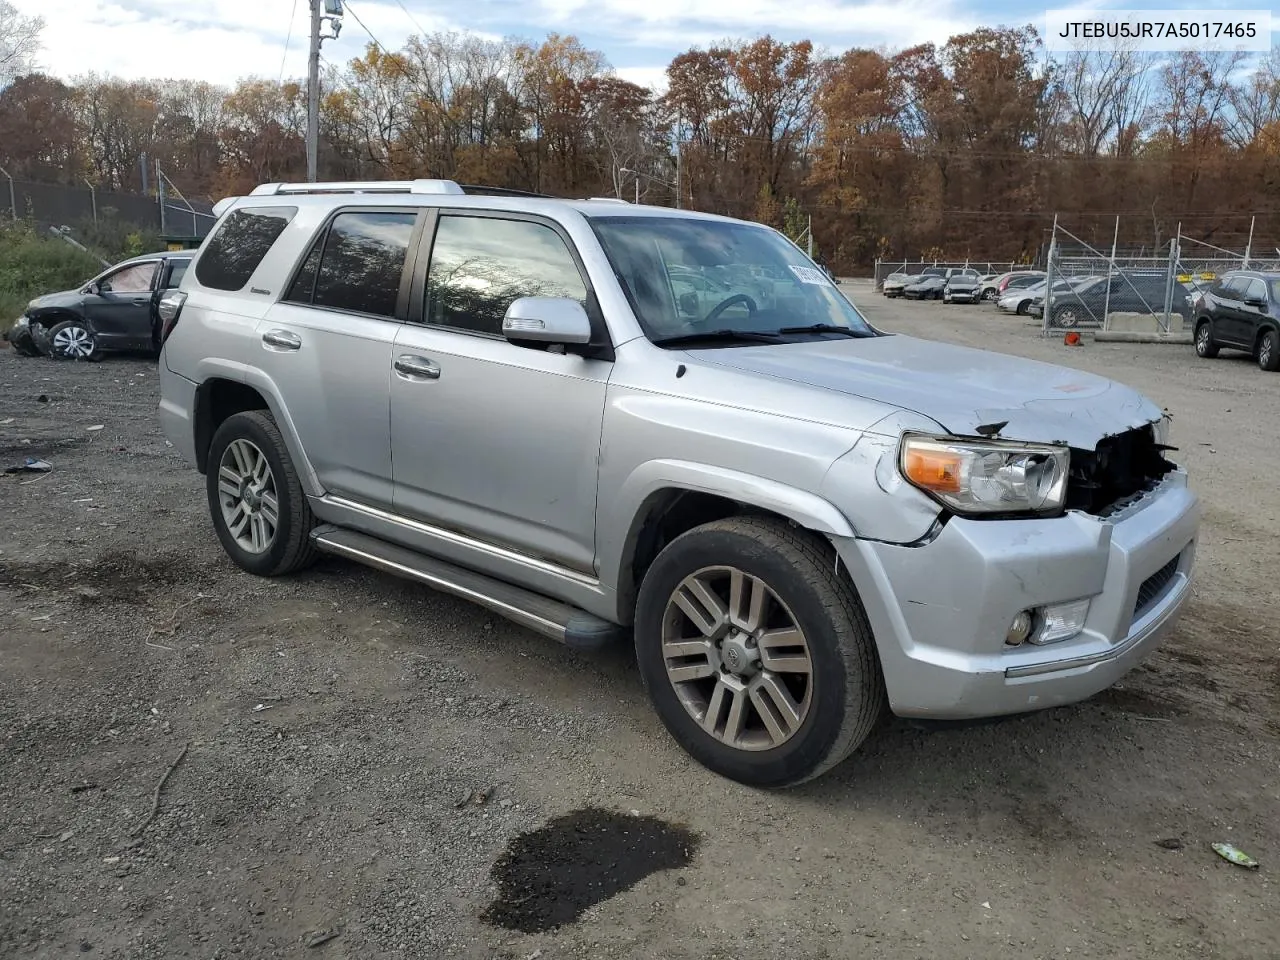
(288, 548)
(1022, 308)
(990, 295)
(1065, 318)
(1269, 351)
(837, 702)
(1206, 346)
(73, 340)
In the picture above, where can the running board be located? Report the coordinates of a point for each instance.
(551, 618)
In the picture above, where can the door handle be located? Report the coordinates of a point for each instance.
(282, 339)
(416, 368)
(140, 301)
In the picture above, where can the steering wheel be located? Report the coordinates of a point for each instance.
(728, 302)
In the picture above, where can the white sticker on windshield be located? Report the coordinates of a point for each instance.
(811, 275)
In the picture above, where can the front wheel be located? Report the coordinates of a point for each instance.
(756, 653)
(990, 295)
(1206, 346)
(74, 340)
(256, 500)
(1269, 351)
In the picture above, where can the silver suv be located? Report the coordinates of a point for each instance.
(605, 420)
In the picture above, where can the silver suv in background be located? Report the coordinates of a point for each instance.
(605, 420)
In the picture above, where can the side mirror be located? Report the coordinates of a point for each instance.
(1258, 302)
(93, 289)
(547, 320)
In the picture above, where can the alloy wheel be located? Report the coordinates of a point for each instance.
(1202, 339)
(737, 658)
(73, 342)
(247, 496)
(1265, 351)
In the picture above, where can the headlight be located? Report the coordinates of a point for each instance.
(986, 476)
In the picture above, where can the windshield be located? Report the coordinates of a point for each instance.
(686, 277)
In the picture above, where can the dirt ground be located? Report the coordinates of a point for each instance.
(360, 753)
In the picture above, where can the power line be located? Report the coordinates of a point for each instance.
(353, 13)
(287, 37)
(415, 23)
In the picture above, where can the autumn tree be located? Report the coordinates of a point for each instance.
(41, 138)
(19, 42)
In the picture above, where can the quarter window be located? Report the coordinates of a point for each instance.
(235, 251)
(480, 265)
(1257, 290)
(177, 270)
(359, 264)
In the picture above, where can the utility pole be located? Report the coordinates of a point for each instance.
(313, 94)
(321, 10)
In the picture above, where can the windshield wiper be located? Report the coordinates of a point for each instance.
(744, 336)
(826, 328)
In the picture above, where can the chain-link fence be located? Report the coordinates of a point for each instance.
(58, 205)
(886, 268)
(1132, 289)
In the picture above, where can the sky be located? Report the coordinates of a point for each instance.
(224, 42)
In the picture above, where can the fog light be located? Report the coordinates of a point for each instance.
(1019, 629)
(1062, 621)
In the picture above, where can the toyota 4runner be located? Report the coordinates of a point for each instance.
(605, 420)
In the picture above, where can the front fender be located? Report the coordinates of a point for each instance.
(618, 530)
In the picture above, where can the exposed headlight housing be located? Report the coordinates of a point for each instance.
(1160, 430)
(971, 476)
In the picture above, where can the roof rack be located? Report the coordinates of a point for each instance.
(359, 186)
(482, 190)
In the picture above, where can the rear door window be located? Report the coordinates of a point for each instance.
(357, 263)
(235, 251)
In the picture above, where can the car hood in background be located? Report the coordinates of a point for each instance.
(65, 298)
(959, 387)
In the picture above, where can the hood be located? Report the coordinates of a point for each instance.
(958, 387)
(964, 281)
(64, 298)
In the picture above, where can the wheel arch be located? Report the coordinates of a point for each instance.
(663, 499)
(219, 397)
(1268, 327)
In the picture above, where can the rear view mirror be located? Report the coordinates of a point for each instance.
(547, 320)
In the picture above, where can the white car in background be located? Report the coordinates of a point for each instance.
(1018, 300)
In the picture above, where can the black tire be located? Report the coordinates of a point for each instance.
(1206, 346)
(62, 335)
(291, 549)
(1269, 351)
(990, 295)
(1022, 308)
(847, 696)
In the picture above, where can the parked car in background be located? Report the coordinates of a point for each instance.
(962, 287)
(1088, 304)
(927, 287)
(895, 283)
(993, 288)
(1017, 300)
(1241, 311)
(958, 534)
(116, 310)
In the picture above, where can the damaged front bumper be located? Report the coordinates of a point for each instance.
(941, 611)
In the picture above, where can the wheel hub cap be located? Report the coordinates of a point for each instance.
(737, 659)
(247, 496)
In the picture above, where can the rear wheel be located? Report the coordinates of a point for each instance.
(756, 653)
(1065, 317)
(1206, 346)
(256, 500)
(73, 340)
(1269, 351)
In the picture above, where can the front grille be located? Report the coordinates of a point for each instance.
(1153, 587)
(1121, 467)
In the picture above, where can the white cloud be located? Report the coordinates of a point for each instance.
(655, 78)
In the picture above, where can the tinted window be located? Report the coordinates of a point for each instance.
(479, 265)
(177, 270)
(1236, 287)
(362, 262)
(304, 284)
(235, 251)
(132, 279)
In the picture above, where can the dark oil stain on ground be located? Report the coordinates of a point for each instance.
(550, 876)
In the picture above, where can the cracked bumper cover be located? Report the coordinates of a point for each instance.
(940, 611)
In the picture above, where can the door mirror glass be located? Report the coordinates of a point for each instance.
(547, 320)
(1256, 302)
(93, 289)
